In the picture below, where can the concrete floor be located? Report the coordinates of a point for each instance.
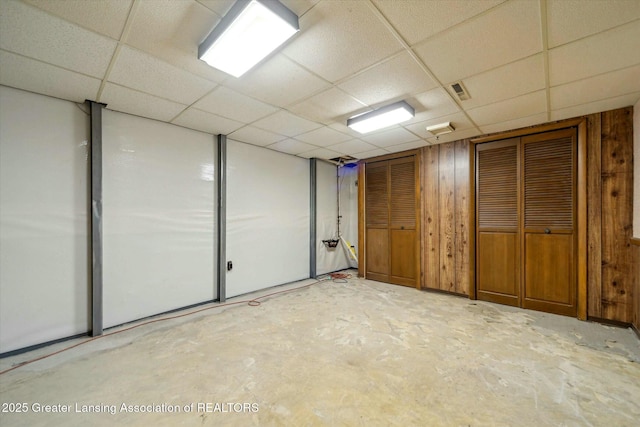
(357, 353)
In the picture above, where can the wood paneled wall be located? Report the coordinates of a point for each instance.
(610, 266)
(636, 257)
(445, 199)
(612, 286)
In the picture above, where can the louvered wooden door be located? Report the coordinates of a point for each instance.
(377, 219)
(391, 222)
(548, 244)
(402, 230)
(525, 222)
(497, 227)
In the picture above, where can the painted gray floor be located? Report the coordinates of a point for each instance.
(340, 354)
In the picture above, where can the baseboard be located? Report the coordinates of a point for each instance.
(440, 291)
(41, 345)
(610, 322)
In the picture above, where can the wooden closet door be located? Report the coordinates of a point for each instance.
(549, 235)
(391, 240)
(497, 225)
(377, 221)
(402, 231)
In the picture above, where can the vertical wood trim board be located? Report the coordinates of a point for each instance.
(617, 215)
(361, 216)
(636, 318)
(582, 221)
(594, 216)
(462, 216)
(446, 213)
(431, 227)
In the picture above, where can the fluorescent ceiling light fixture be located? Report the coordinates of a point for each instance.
(382, 117)
(441, 128)
(250, 31)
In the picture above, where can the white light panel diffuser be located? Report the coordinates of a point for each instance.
(247, 34)
(382, 117)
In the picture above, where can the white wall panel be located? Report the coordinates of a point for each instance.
(328, 259)
(267, 218)
(44, 286)
(158, 217)
(349, 204)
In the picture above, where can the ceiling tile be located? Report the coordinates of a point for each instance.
(255, 136)
(390, 137)
(509, 81)
(389, 81)
(172, 30)
(407, 146)
(278, 81)
(518, 123)
(603, 86)
(299, 7)
(458, 120)
(455, 136)
(352, 147)
(233, 105)
(347, 32)
(416, 20)
(130, 101)
(510, 109)
(140, 71)
(371, 153)
(220, 7)
(431, 104)
(320, 153)
(285, 123)
(603, 52)
(596, 107)
(104, 17)
(323, 137)
(505, 34)
(328, 106)
(35, 76)
(206, 122)
(569, 20)
(32, 32)
(291, 146)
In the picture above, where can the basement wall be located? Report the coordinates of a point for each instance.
(636, 171)
(268, 219)
(159, 225)
(636, 211)
(328, 259)
(612, 285)
(349, 205)
(44, 282)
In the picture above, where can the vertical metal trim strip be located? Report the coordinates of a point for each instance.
(312, 211)
(222, 217)
(95, 165)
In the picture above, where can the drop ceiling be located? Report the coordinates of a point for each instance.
(523, 62)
